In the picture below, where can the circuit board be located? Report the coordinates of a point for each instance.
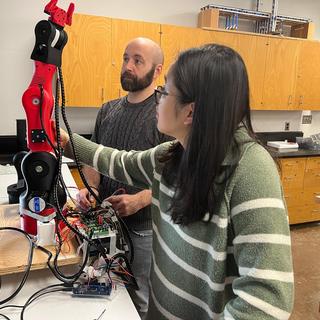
(91, 290)
(100, 224)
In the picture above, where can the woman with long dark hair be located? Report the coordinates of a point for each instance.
(221, 246)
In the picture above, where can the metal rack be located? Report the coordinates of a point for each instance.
(265, 22)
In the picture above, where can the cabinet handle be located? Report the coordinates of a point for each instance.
(316, 193)
(290, 100)
(300, 100)
(316, 210)
(102, 95)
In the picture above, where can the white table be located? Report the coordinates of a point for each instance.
(62, 305)
(58, 305)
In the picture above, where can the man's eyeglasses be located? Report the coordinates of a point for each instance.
(161, 91)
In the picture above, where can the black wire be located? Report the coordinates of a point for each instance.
(76, 275)
(43, 289)
(10, 306)
(133, 283)
(27, 271)
(63, 113)
(76, 158)
(60, 215)
(58, 178)
(41, 119)
(56, 185)
(2, 315)
(125, 227)
(42, 292)
(59, 210)
(58, 175)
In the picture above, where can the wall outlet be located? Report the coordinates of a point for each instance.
(306, 119)
(287, 126)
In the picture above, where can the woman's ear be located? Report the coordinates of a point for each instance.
(188, 109)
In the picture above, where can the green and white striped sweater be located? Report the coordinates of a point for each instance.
(237, 266)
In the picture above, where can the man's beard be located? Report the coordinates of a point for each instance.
(132, 83)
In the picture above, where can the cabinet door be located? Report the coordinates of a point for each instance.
(175, 39)
(280, 74)
(309, 195)
(124, 31)
(86, 61)
(300, 214)
(253, 50)
(294, 197)
(312, 175)
(308, 82)
(292, 173)
(313, 163)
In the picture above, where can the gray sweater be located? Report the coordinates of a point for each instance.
(236, 267)
(127, 126)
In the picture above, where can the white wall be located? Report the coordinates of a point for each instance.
(17, 41)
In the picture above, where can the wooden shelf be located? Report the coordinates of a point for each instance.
(14, 248)
(299, 28)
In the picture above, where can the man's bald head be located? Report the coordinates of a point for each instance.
(149, 48)
(142, 65)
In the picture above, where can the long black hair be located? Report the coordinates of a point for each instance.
(215, 79)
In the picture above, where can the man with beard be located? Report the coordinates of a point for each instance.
(130, 123)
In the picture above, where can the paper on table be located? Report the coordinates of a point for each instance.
(66, 160)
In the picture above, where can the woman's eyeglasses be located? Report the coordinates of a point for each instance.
(161, 91)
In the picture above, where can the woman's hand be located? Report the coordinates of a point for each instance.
(64, 138)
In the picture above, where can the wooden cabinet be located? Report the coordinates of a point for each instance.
(301, 184)
(280, 74)
(86, 61)
(175, 39)
(308, 76)
(253, 50)
(122, 32)
(292, 171)
(284, 73)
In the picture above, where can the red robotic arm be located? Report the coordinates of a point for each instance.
(39, 166)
